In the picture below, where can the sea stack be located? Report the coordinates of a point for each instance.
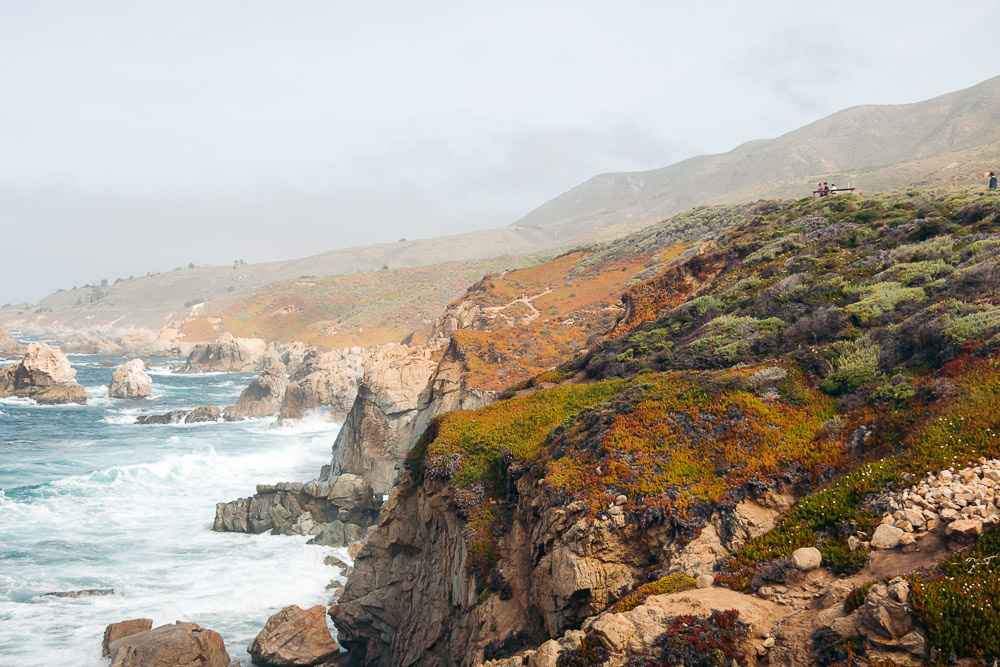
(44, 375)
(130, 381)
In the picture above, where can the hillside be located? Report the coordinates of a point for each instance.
(786, 386)
(946, 140)
(949, 140)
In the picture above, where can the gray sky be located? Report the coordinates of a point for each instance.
(137, 136)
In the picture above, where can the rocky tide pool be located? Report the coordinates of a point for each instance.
(89, 500)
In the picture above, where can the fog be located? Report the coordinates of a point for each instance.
(138, 137)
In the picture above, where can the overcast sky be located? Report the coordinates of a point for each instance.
(139, 135)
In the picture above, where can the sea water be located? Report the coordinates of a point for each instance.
(89, 500)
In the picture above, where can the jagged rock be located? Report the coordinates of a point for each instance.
(883, 616)
(807, 558)
(43, 375)
(85, 593)
(304, 509)
(186, 644)
(206, 413)
(294, 637)
(172, 417)
(116, 631)
(330, 535)
(886, 536)
(264, 395)
(322, 380)
(375, 437)
(227, 354)
(965, 528)
(130, 381)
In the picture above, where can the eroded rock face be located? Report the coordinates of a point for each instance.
(44, 375)
(130, 381)
(227, 354)
(294, 636)
(264, 395)
(411, 596)
(186, 644)
(116, 631)
(329, 379)
(377, 434)
(314, 508)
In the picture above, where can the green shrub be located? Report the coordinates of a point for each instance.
(672, 583)
(856, 364)
(882, 298)
(974, 325)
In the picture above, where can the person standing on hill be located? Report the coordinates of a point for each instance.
(993, 181)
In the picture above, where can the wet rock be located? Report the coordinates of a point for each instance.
(87, 592)
(116, 631)
(263, 396)
(130, 381)
(43, 375)
(172, 417)
(294, 637)
(206, 413)
(186, 644)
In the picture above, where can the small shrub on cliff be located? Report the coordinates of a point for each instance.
(703, 642)
(589, 653)
(672, 583)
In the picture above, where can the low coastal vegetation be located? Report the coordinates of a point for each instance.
(837, 348)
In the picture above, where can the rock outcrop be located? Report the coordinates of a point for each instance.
(336, 507)
(130, 381)
(9, 344)
(116, 631)
(378, 432)
(44, 375)
(328, 379)
(186, 644)
(206, 413)
(227, 354)
(294, 637)
(264, 395)
(411, 596)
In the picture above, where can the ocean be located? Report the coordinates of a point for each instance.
(89, 500)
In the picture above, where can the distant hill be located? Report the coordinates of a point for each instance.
(949, 140)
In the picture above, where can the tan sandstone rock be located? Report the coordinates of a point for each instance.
(293, 637)
(263, 396)
(180, 644)
(227, 354)
(116, 631)
(44, 375)
(130, 381)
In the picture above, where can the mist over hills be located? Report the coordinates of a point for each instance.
(943, 141)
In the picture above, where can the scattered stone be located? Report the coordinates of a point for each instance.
(294, 637)
(807, 558)
(965, 528)
(853, 542)
(886, 536)
(116, 631)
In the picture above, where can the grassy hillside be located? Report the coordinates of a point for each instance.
(835, 348)
(950, 139)
(356, 309)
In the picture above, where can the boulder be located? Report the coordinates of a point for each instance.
(206, 413)
(44, 375)
(886, 536)
(130, 381)
(264, 395)
(227, 354)
(116, 631)
(965, 528)
(294, 636)
(807, 558)
(186, 644)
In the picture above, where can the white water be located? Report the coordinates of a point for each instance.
(90, 500)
